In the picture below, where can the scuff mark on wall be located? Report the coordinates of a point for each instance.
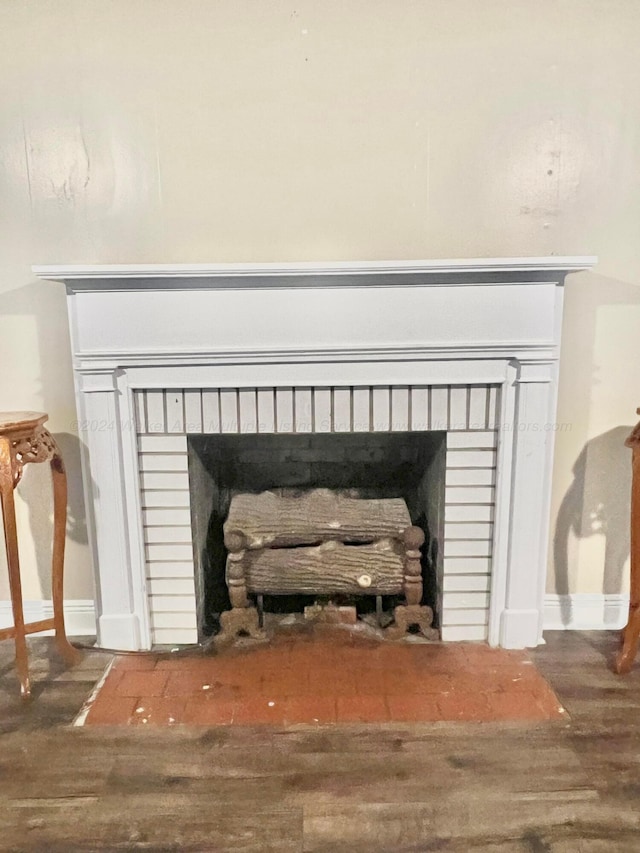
(539, 212)
(58, 163)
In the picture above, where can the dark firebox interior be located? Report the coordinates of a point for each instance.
(410, 465)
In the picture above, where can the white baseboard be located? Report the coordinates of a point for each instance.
(79, 616)
(576, 612)
(585, 612)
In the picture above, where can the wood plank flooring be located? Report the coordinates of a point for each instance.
(566, 787)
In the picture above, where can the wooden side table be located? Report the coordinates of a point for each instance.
(23, 439)
(631, 634)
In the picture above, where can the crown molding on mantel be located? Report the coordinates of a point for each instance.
(309, 273)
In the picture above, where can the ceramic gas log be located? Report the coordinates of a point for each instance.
(326, 543)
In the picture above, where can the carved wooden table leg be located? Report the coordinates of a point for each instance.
(59, 477)
(631, 634)
(24, 439)
(13, 565)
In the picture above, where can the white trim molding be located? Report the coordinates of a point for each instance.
(79, 616)
(312, 274)
(585, 612)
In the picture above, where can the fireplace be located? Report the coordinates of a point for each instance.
(256, 497)
(435, 446)
(170, 360)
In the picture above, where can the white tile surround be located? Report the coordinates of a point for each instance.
(238, 332)
(469, 414)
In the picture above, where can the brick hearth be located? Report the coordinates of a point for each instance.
(325, 676)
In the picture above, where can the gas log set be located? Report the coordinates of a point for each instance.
(322, 542)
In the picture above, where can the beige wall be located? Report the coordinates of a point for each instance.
(263, 130)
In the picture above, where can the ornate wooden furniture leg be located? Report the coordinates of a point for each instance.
(631, 634)
(13, 565)
(23, 439)
(59, 478)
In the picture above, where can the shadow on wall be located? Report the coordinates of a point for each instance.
(43, 303)
(596, 503)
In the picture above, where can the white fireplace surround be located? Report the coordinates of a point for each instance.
(405, 324)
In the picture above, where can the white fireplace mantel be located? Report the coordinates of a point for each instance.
(307, 271)
(404, 323)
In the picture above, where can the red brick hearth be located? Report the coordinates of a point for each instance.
(325, 677)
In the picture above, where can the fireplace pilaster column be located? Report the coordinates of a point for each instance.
(533, 440)
(103, 423)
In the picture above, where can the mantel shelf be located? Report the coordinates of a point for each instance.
(310, 274)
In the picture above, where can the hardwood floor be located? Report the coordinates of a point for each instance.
(566, 787)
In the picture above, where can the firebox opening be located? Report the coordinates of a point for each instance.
(408, 465)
